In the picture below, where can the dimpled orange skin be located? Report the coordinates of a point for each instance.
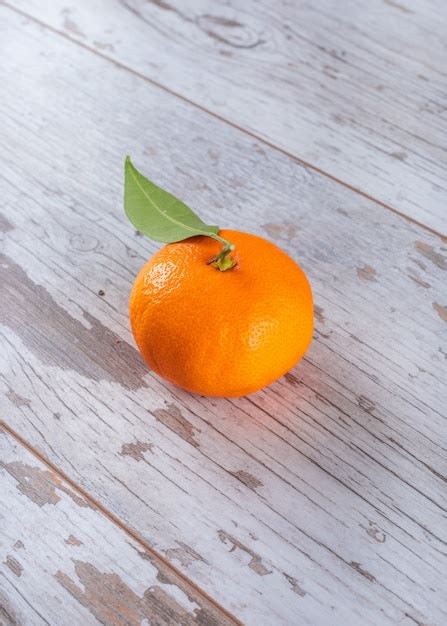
(221, 333)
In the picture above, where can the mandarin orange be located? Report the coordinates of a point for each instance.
(221, 333)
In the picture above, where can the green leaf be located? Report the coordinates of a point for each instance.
(158, 214)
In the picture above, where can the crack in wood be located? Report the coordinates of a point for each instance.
(40, 485)
(248, 479)
(367, 273)
(440, 310)
(73, 541)
(358, 568)
(296, 588)
(419, 281)
(7, 617)
(428, 251)
(15, 567)
(291, 378)
(113, 602)
(255, 563)
(5, 225)
(16, 399)
(184, 554)
(172, 418)
(318, 311)
(375, 533)
(136, 449)
(286, 230)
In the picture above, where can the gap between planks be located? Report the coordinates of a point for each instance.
(223, 119)
(117, 521)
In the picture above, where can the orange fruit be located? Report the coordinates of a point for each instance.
(221, 333)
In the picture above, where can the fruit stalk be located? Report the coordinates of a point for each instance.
(223, 261)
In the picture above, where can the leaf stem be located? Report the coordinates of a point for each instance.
(227, 244)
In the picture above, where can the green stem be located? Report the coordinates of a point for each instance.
(223, 261)
(227, 244)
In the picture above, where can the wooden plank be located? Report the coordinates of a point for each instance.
(357, 92)
(319, 500)
(63, 562)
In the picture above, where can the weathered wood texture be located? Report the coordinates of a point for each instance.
(64, 563)
(357, 89)
(320, 500)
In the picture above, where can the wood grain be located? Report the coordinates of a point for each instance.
(318, 500)
(358, 93)
(63, 562)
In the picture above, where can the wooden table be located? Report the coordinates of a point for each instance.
(320, 500)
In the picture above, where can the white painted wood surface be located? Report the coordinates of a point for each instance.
(320, 500)
(63, 562)
(357, 90)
